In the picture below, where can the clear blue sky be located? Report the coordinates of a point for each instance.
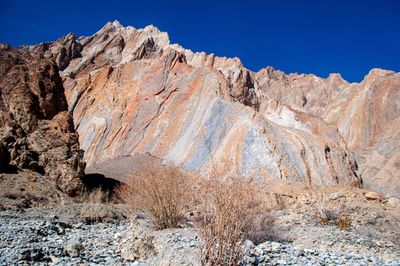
(320, 37)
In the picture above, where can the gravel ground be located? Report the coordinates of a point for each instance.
(274, 253)
(31, 239)
(45, 241)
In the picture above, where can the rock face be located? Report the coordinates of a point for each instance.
(36, 129)
(133, 92)
(366, 114)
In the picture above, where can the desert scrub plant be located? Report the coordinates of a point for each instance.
(329, 211)
(326, 210)
(92, 201)
(343, 222)
(231, 211)
(162, 194)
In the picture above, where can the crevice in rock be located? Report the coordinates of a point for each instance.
(328, 159)
(147, 50)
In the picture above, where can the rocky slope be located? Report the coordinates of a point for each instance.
(36, 130)
(131, 92)
(64, 236)
(366, 114)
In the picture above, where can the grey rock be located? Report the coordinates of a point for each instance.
(393, 201)
(73, 248)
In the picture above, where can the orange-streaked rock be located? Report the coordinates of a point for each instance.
(131, 92)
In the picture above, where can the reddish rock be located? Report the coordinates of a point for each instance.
(132, 92)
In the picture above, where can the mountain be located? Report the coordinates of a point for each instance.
(132, 92)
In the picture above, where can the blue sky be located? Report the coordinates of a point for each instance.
(320, 37)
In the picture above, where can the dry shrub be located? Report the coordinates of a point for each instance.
(329, 211)
(344, 222)
(97, 196)
(162, 194)
(326, 209)
(231, 211)
(92, 203)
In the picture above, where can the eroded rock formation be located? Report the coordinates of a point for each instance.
(131, 92)
(36, 129)
(366, 114)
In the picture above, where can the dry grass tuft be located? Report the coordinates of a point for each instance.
(97, 196)
(162, 193)
(343, 222)
(92, 203)
(231, 211)
(329, 211)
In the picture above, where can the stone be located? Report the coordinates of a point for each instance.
(54, 259)
(73, 248)
(336, 195)
(249, 260)
(372, 195)
(281, 262)
(247, 247)
(144, 243)
(393, 201)
(298, 253)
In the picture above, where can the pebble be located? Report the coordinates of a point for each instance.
(275, 253)
(40, 242)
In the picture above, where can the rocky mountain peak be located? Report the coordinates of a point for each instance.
(131, 91)
(376, 74)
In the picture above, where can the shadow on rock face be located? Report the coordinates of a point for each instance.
(9, 169)
(108, 175)
(93, 181)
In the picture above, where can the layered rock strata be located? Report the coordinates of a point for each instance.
(131, 91)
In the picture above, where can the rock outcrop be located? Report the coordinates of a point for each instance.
(367, 115)
(36, 129)
(132, 92)
(369, 121)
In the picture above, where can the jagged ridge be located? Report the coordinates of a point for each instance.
(131, 91)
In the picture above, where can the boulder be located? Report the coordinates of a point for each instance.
(372, 195)
(73, 248)
(393, 201)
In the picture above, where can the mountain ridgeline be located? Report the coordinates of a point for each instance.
(130, 91)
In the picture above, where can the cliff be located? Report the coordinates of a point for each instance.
(131, 92)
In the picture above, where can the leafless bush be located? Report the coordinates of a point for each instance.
(92, 203)
(97, 196)
(231, 210)
(162, 193)
(343, 222)
(328, 210)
